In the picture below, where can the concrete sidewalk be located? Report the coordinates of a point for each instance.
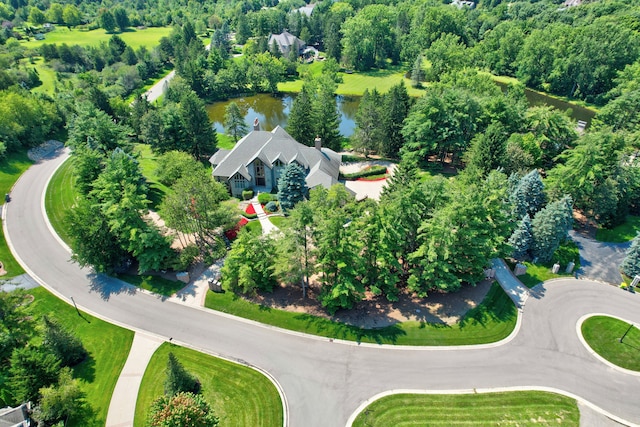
(123, 401)
(267, 226)
(510, 283)
(195, 292)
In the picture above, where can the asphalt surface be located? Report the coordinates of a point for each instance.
(600, 260)
(324, 381)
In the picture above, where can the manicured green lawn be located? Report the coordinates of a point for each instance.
(279, 221)
(491, 321)
(148, 161)
(622, 233)
(60, 197)
(254, 227)
(11, 167)
(537, 274)
(240, 396)
(156, 284)
(520, 408)
(603, 334)
(47, 76)
(135, 38)
(108, 346)
(356, 83)
(225, 141)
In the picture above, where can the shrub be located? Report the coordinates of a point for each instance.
(373, 170)
(264, 198)
(247, 194)
(271, 207)
(186, 257)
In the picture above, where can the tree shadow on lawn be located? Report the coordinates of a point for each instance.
(86, 370)
(497, 307)
(331, 329)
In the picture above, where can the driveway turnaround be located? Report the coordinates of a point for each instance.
(600, 260)
(324, 380)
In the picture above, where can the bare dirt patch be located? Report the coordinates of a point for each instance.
(376, 311)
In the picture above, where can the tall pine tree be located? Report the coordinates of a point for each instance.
(550, 227)
(521, 239)
(631, 264)
(292, 186)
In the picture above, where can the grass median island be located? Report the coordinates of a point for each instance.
(108, 346)
(622, 233)
(59, 199)
(240, 396)
(491, 321)
(603, 334)
(522, 408)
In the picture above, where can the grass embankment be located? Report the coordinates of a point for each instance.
(522, 408)
(108, 346)
(603, 334)
(148, 37)
(148, 161)
(491, 321)
(239, 396)
(538, 273)
(356, 83)
(11, 167)
(59, 199)
(622, 233)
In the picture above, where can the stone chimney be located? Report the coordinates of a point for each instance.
(318, 142)
(256, 124)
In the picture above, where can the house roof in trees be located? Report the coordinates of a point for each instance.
(307, 9)
(322, 164)
(15, 417)
(286, 41)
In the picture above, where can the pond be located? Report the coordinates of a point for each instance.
(273, 110)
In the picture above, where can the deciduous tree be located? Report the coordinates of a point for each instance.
(181, 410)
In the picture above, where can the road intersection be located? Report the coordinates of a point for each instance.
(324, 380)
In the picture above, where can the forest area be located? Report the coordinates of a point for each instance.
(519, 164)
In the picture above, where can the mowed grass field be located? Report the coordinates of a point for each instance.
(148, 37)
(59, 199)
(240, 396)
(356, 83)
(519, 408)
(603, 334)
(108, 346)
(622, 233)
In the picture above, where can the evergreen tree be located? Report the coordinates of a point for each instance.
(631, 263)
(417, 73)
(300, 122)
(396, 108)
(31, 369)
(404, 176)
(369, 132)
(326, 117)
(292, 186)
(121, 18)
(487, 151)
(200, 136)
(521, 239)
(550, 227)
(528, 197)
(62, 343)
(178, 379)
(234, 123)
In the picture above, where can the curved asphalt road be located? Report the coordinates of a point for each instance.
(324, 381)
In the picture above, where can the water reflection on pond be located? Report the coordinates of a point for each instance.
(274, 110)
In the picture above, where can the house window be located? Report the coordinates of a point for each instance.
(278, 163)
(238, 182)
(259, 173)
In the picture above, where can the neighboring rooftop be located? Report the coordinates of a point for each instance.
(306, 10)
(15, 417)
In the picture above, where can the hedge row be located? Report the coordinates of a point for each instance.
(373, 170)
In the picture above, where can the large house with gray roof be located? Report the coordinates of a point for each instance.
(258, 159)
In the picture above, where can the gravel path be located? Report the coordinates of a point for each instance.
(600, 260)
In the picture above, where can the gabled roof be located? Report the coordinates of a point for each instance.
(15, 417)
(323, 165)
(307, 10)
(285, 41)
(219, 156)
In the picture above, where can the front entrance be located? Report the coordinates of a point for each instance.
(260, 182)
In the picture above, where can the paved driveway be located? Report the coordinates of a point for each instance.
(324, 380)
(600, 260)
